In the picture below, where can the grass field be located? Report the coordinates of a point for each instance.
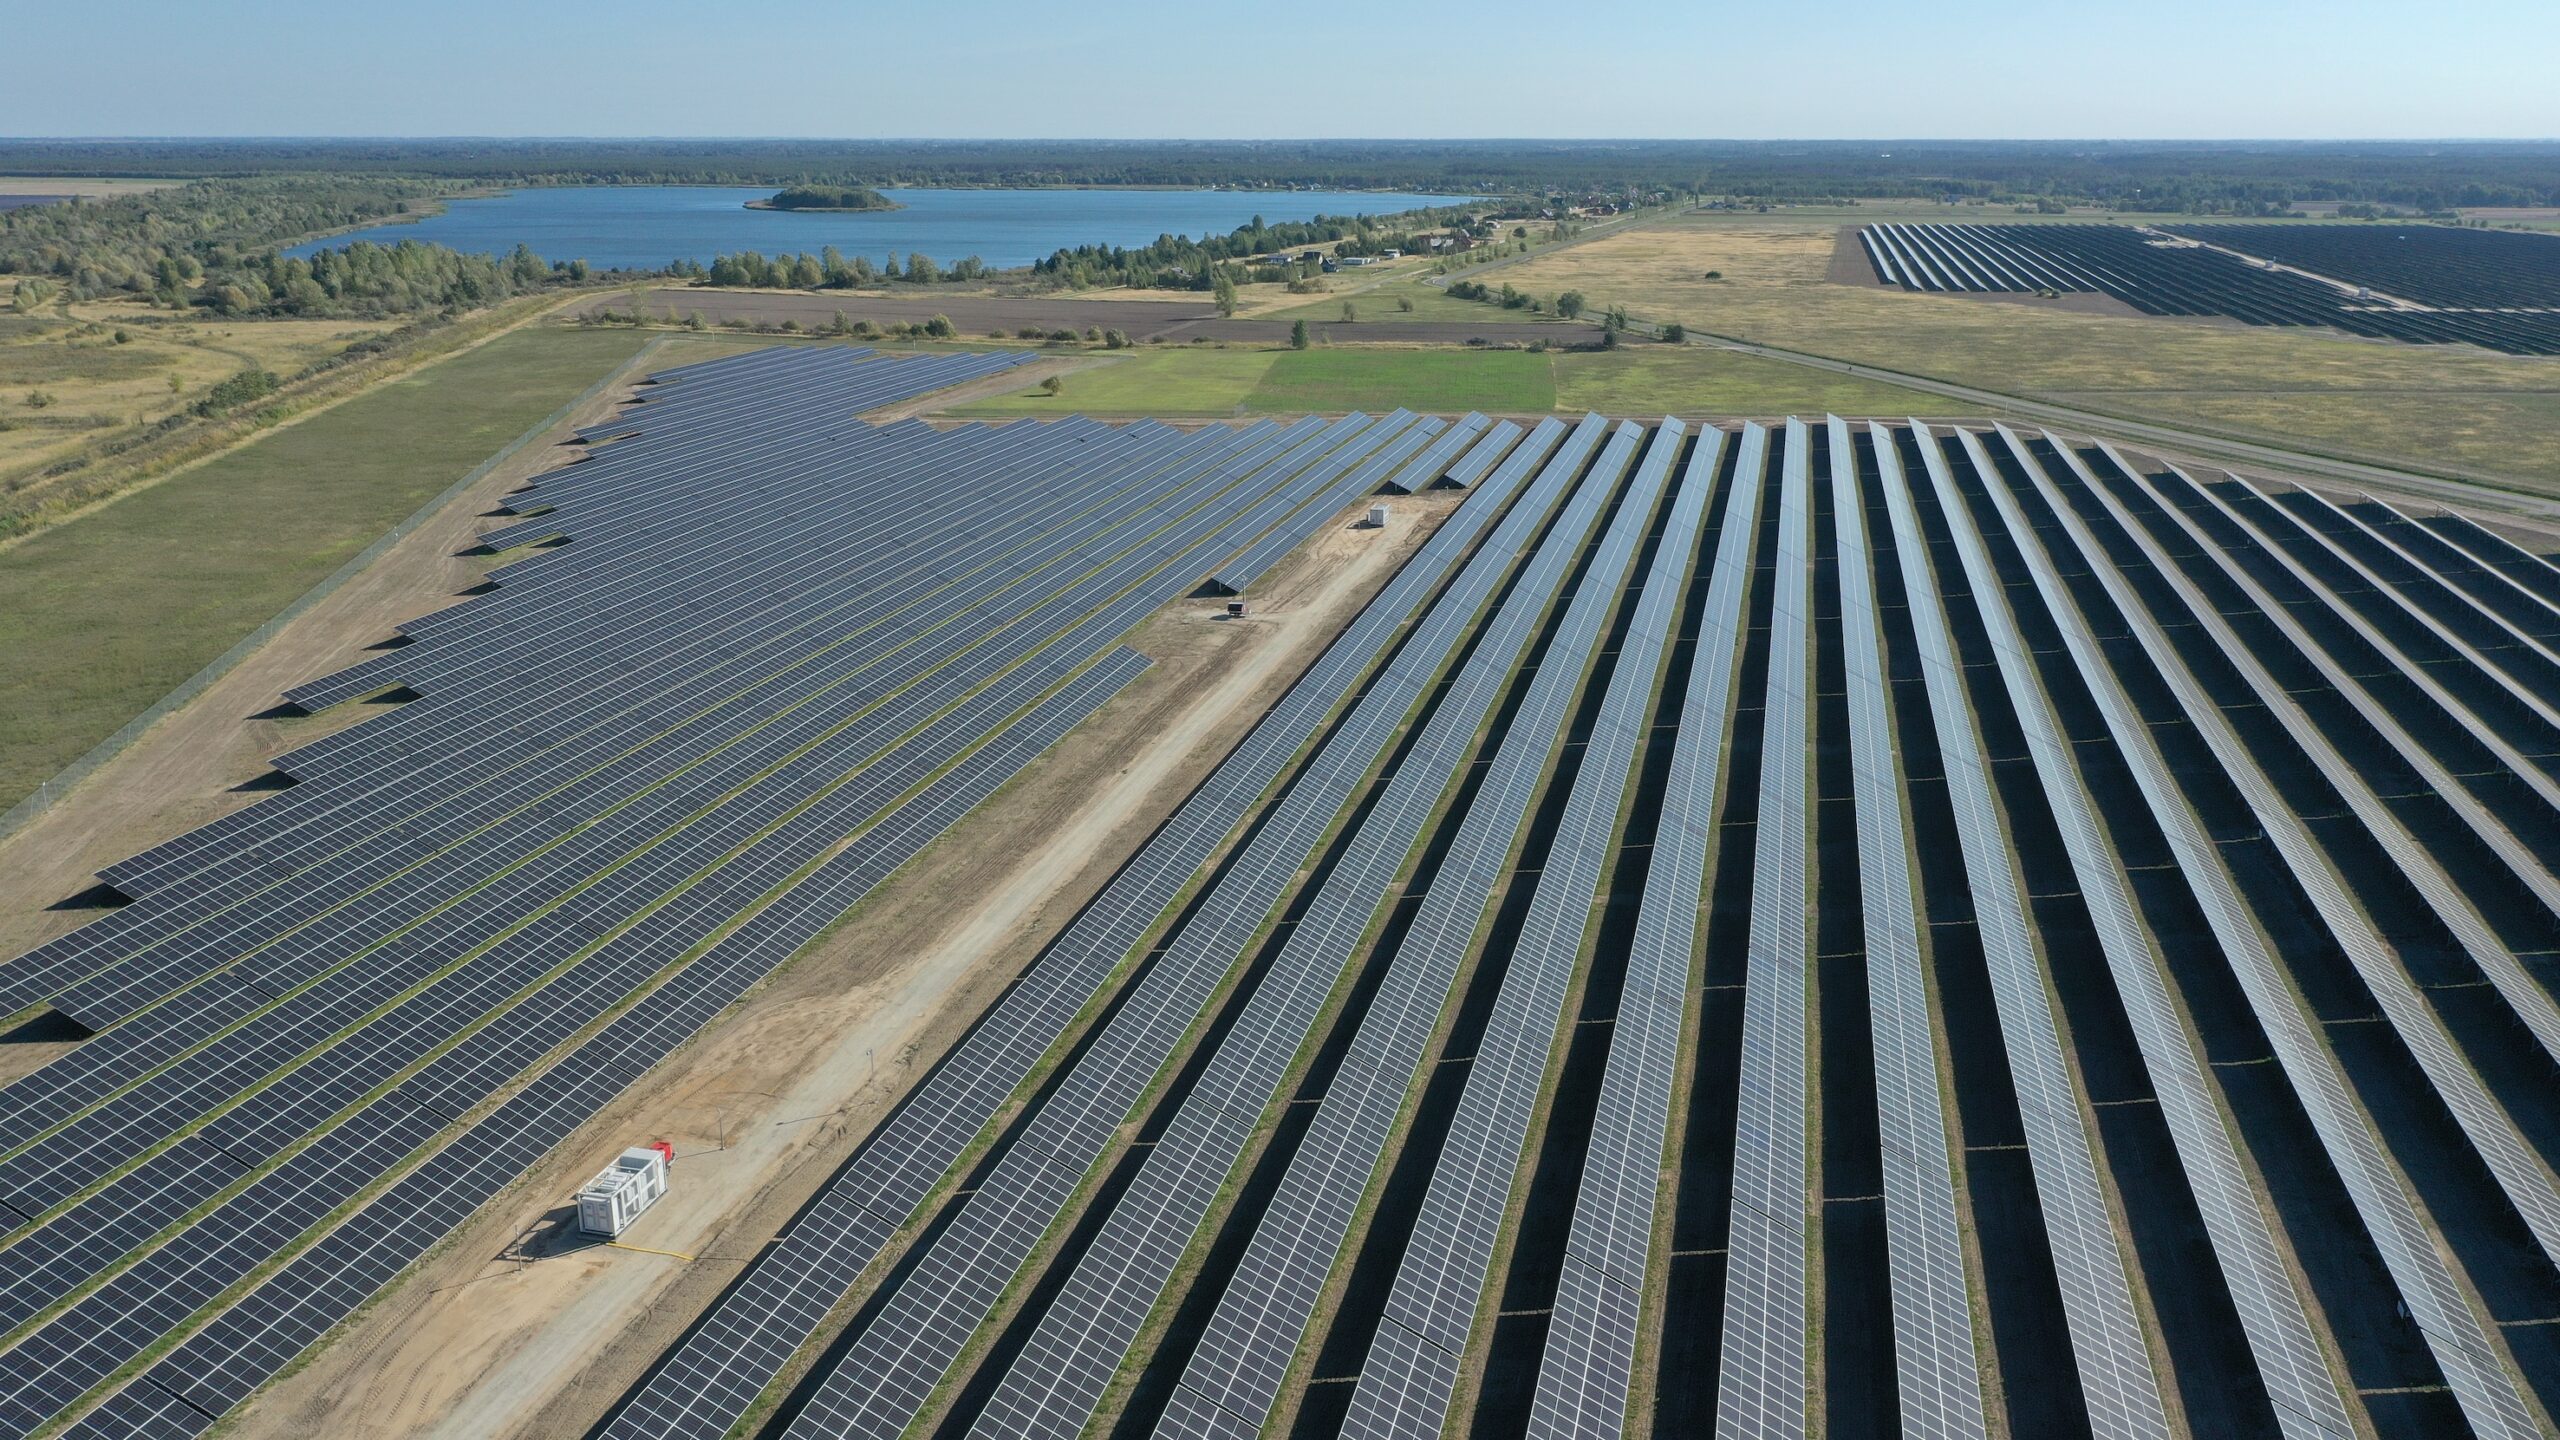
(1379, 302)
(2303, 388)
(1643, 380)
(1194, 381)
(1640, 379)
(1440, 380)
(101, 616)
(91, 385)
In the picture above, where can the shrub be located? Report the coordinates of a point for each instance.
(237, 391)
(1675, 333)
(1053, 385)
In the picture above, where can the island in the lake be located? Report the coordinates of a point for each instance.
(826, 197)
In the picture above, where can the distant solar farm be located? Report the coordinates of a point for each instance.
(2426, 284)
(1752, 929)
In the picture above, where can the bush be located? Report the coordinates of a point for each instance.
(1675, 333)
(1053, 385)
(1298, 337)
(237, 391)
(1404, 304)
(1115, 339)
(940, 327)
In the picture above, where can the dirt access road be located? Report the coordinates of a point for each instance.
(517, 1328)
(976, 316)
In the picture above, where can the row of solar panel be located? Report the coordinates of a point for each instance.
(717, 1375)
(1153, 524)
(1077, 1348)
(1053, 1386)
(2412, 596)
(893, 1366)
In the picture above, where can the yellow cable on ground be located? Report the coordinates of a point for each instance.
(645, 1250)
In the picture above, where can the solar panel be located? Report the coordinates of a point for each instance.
(894, 1364)
(2526, 1183)
(1762, 1369)
(1937, 1384)
(2453, 1331)
(1586, 1378)
(2290, 1359)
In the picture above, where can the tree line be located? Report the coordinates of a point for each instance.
(2206, 176)
(829, 269)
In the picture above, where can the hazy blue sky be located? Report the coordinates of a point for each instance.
(1289, 68)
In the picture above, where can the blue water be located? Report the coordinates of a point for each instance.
(646, 226)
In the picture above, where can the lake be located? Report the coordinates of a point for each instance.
(643, 227)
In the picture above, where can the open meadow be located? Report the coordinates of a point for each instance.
(71, 374)
(103, 615)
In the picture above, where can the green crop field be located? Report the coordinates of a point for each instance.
(103, 615)
(1381, 379)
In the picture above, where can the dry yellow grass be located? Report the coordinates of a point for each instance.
(2318, 389)
(91, 386)
(65, 185)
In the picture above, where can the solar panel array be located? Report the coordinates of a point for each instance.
(894, 1365)
(1439, 1281)
(2449, 1325)
(644, 852)
(2289, 1357)
(1587, 1379)
(1939, 1387)
(2476, 287)
(1346, 1106)
(1052, 1388)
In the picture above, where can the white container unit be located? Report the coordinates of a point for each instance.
(617, 1197)
(1377, 517)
